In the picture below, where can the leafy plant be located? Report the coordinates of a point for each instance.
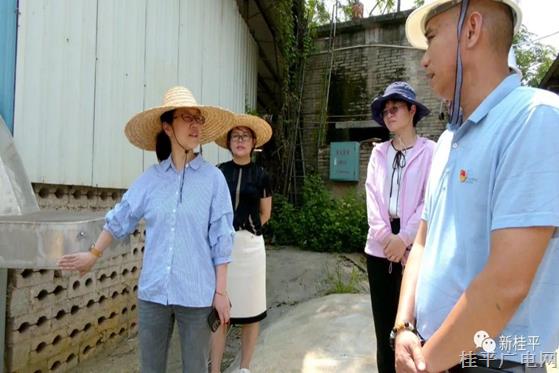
(340, 283)
(317, 14)
(379, 7)
(295, 43)
(322, 222)
(533, 58)
(284, 224)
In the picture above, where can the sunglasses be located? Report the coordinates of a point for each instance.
(393, 110)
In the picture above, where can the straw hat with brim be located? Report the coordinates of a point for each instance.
(262, 130)
(398, 91)
(415, 24)
(143, 128)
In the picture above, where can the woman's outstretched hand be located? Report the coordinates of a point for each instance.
(81, 262)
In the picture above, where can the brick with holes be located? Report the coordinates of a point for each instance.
(88, 348)
(20, 278)
(31, 299)
(17, 355)
(80, 285)
(108, 277)
(23, 328)
(64, 360)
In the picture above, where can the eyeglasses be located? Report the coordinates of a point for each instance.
(189, 118)
(393, 110)
(241, 138)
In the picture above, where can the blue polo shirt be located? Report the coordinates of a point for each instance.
(499, 169)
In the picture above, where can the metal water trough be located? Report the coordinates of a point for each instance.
(34, 238)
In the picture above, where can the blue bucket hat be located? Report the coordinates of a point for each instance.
(398, 91)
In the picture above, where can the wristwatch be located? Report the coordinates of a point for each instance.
(95, 251)
(406, 325)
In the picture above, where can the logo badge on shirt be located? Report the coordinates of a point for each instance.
(463, 176)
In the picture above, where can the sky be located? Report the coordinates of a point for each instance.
(539, 16)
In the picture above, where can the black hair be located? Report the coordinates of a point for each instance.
(167, 117)
(162, 141)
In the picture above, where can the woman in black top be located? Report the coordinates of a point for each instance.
(251, 196)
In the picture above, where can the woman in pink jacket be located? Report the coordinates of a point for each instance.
(396, 179)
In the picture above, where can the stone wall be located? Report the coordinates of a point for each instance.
(56, 319)
(369, 54)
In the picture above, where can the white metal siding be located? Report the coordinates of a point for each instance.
(251, 83)
(162, 54)
(85, 67)
(53, 124)
(119, 91)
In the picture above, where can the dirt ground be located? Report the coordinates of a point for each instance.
(293, 276)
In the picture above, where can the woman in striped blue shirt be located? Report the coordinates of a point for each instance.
(186, 206)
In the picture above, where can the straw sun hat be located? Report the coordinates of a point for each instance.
(259, 126)
(143, 128)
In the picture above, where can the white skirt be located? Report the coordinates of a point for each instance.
(246, 278)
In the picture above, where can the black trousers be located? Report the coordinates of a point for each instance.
(385, 279)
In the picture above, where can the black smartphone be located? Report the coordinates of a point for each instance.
(213, 320)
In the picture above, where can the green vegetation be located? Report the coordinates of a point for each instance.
(322, 222)
(533, 58)
(339, 282)
(379, 7)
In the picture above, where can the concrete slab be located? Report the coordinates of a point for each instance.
(293, 276)
(334, 333)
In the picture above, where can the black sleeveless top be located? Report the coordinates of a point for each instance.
(247, 185)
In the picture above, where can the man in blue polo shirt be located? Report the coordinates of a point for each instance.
(482, 281)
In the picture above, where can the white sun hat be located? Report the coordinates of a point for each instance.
(415, 24)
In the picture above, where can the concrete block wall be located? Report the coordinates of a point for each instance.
(57, 319)
(370, 54)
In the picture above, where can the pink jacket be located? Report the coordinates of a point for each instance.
(412, 191)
